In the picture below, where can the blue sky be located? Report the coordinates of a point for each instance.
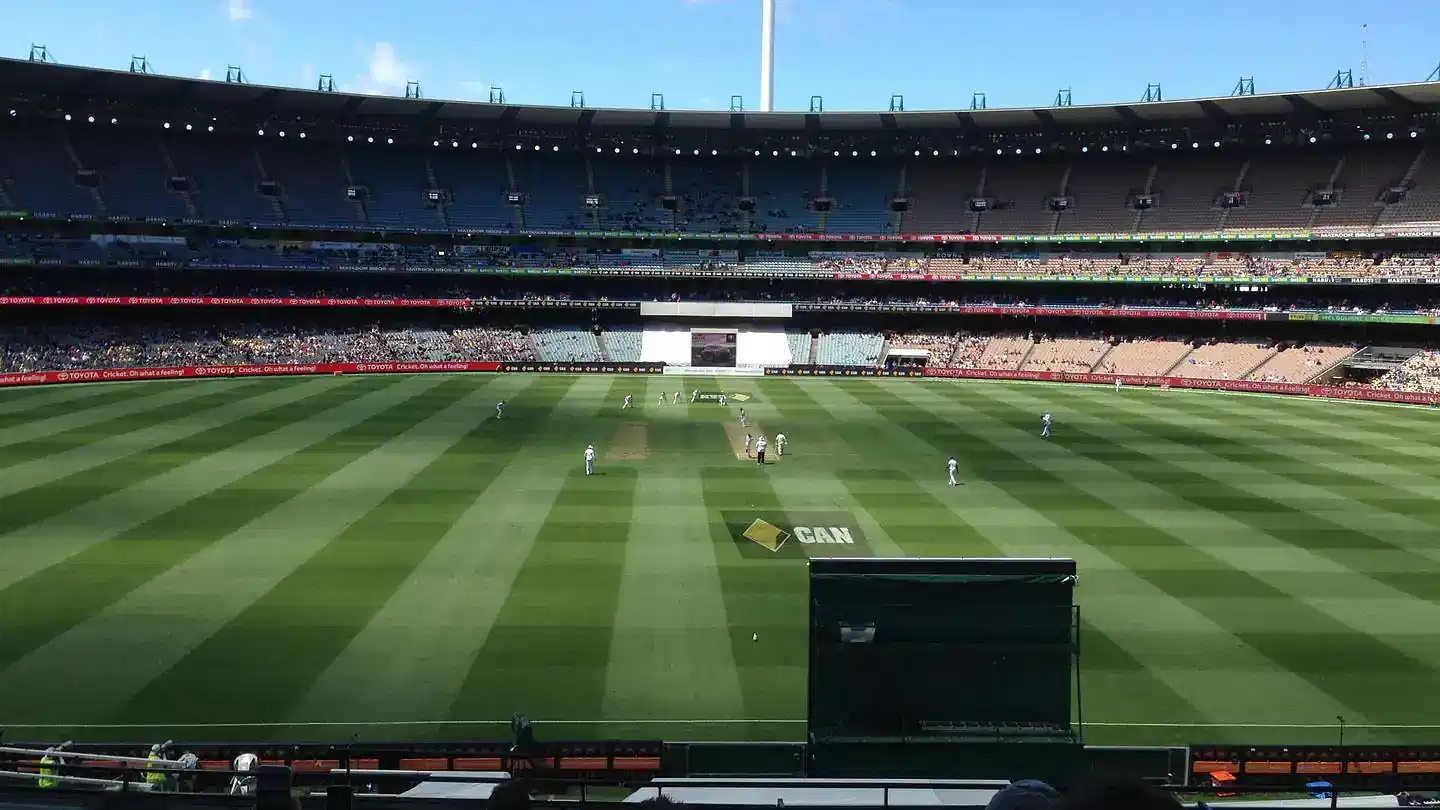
(854, 53)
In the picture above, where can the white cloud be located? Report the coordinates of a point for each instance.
(239, 10)
(205, 74)
(386, 74)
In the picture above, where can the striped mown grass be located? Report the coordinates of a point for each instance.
(379, 557)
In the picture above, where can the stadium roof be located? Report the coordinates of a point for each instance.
(65, 80)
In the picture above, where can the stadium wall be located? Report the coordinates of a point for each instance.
(12, 380)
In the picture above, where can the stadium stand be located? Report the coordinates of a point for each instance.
(1100, 190)
(1065, 354)
(623, 345)
(561, 345)
(799, 347)
(1301, 364)
(1223, 361)
(1019, 197)
(849, 349)
(1143, 357)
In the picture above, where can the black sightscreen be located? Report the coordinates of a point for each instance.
(941, 648)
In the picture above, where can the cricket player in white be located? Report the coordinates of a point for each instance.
(743, 423)
(627, 403)
(675, 400)
(662, 397)
(1118, 382)
(695, 395)
(500, 409)
(952, 466)
(747, 445)
(760, 450)
(779, 444)
(1045, 426)
(724, 400)
(590, 460)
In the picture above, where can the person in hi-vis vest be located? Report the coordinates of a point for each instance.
(50, 766)
(154, 767)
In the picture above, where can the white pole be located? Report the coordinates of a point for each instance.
(767, 55)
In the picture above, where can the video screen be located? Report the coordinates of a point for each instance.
(712, 349)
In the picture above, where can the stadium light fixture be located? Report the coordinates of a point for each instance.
(434, 143)
(1367, 136)
(282, 133)
(1018, 150)
(635, 151)
(1124, 147)
(1217, 144)
(474, 145)
(697, 152)
(454, 144)
(1389, 136)
(936, 153)
(350, 138)
(1037, 150)
(67, 116)
(872, 153)
(114, 120)
(679, 152)
(91, 119)
(555, 149)
(617, 150)
(917, 153)
(999, 151)
(1414, 134)
(1105, 149)
(260, 132)
(793, 153)
(302, 136)
(774, 153)
(855, 154)
(1312, 139)
(189, 128)
(1194, 144)
(12, 113)
(537, 147)
(1084, 149)
(757, 153)
(370, 139)
(1174, 146)
(714, 152)
(1267, 141)
(167, 124)
(210, 128)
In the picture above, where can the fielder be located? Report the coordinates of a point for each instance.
(952, 466)
(1118, 382)
(662, 397)
(626, 406)
(747, 445)
(760, 450)
(1045, 426)
(590, 460)
(779, 444)
(695, 395)
(743, 423)
(500, 409)
(724, 400)
(676, 399)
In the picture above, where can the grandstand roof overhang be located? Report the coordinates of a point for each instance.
(22, 77)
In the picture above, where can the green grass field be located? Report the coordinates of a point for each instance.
(379, 557)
